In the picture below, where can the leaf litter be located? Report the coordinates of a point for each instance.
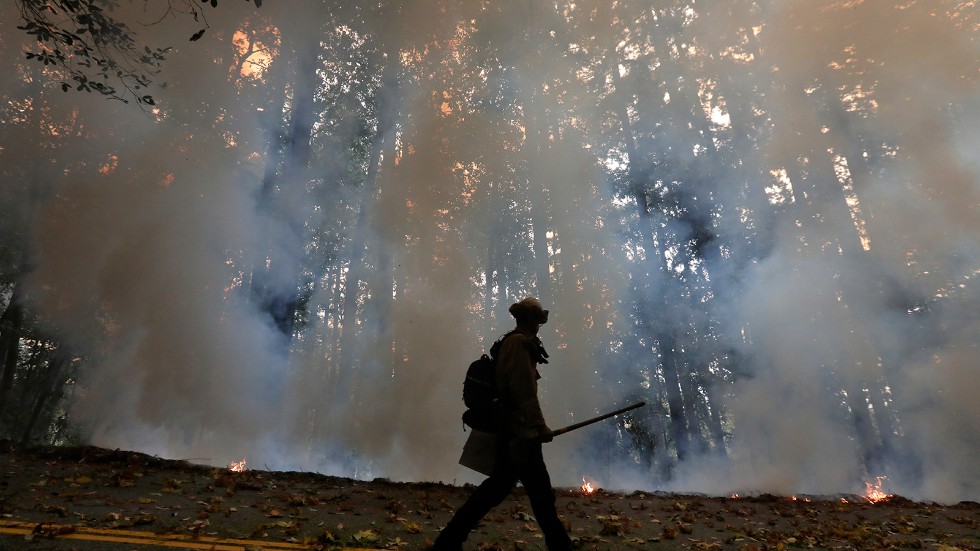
(58, 491)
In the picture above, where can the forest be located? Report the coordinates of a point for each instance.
(282, 231)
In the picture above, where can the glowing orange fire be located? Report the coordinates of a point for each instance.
(237, 466)
(587, 487)
(874, 493)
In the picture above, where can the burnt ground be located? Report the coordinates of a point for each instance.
(63, 490)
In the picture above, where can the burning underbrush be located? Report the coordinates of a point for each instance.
(49, 493)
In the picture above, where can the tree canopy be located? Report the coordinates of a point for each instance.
(96, 51)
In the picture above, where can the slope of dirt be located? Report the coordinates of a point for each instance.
(63, 489)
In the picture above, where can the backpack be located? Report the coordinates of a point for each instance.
(480, 391)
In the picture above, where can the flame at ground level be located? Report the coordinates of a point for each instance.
(587, 487)
(237, 466)
(874, 493)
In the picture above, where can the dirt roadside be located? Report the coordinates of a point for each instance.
(59, 490)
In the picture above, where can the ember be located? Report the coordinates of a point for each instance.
(237, 466)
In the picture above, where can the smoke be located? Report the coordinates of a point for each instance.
(133, 272)
(144, 271)
(826, 331)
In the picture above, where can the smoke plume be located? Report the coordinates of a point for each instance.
(143, 270)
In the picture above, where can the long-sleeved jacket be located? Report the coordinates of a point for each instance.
(517, 383)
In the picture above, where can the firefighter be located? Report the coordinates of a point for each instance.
(518, 441)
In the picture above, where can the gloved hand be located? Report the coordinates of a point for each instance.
(545, 435)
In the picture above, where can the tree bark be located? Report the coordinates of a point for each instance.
(10, 330)
(49, 387)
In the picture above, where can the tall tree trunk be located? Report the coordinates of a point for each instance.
(535, 147)
(491, 276)
(360, 343)
(382, 147)
(49, 388)
(673, 431)
(696, 408)
(825, 205)
(714, 418)
(10, 330)
(677, 427)
(277, 284)
(679, 422)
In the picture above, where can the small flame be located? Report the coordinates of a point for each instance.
(874, 493)
(734, 496)
(237, 466)
(587, 487)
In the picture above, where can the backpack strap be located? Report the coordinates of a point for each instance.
(497, 344)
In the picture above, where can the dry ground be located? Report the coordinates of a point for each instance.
(58, 490)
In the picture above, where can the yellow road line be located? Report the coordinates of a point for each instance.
(150, 538)
(137, 541)
(151, 535)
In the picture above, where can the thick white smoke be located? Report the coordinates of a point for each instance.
(825, 334)
(140, 271)
(133, 272)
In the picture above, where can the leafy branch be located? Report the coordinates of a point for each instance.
(97, 52)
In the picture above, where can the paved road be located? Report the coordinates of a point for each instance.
(15, 536)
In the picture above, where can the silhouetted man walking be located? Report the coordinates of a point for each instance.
(520, 433)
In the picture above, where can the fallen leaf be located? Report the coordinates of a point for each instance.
(52, 530)
(413, 527)
(366, 536)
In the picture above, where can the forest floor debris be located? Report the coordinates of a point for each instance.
(63, 490)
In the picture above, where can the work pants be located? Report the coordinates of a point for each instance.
(515, 461)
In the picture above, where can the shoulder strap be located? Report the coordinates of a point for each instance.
(496, 345)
